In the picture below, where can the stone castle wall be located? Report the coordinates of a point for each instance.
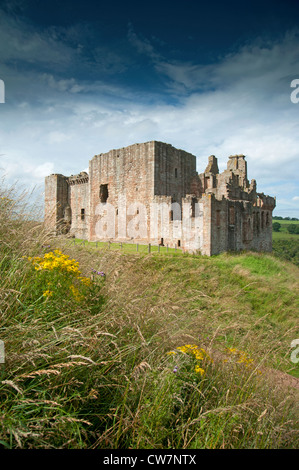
(121, 178)
(56, 198)
(78, 206)
(151, 193)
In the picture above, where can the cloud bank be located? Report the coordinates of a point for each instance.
(63, 105)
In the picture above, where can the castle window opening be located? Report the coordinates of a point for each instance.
(176, 212)
(257, 222)
(231, 216)
(245, 229)
(103, 192)
(179, 243)
(176, 172)
(193, 202)
(82, 214)
(249, 224)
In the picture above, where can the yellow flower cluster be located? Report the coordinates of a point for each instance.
(76, 293)
(242, 358)
(56, 260)
(59, 262)
(199, 370)
(48, 293)
(86, 280)
(199, 354)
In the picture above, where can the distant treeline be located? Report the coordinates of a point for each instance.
(291, 228)
(278, 217)
(287, 249)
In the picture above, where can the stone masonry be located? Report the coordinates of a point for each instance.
(151, 193)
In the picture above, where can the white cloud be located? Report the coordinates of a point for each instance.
(22, 42)
(258, 69)
(56, 137)
(43, 170)
(241, 104)
(143, 45)
(69, 85)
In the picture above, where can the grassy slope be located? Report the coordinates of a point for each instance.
(87, 374)
(158, 302)
(249, 300)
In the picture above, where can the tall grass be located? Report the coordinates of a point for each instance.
(106, 363)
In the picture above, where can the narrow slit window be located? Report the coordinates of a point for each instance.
(104, 192)
(193, 206)
(82, 214)
(175, 172)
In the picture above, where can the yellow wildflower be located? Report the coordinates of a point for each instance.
(199, 370)
(199, 354)
(76, 293)
(48, 293)
(85, 280)
(56, 260)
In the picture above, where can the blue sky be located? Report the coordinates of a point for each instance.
(82, 78)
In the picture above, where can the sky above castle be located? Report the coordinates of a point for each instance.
(84, 77)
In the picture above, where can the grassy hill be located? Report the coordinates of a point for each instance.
(283, 233)
(285, 244)
(108, 349)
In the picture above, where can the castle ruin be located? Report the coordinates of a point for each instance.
(152, 193)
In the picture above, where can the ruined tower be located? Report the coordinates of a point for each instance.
(151, 193)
